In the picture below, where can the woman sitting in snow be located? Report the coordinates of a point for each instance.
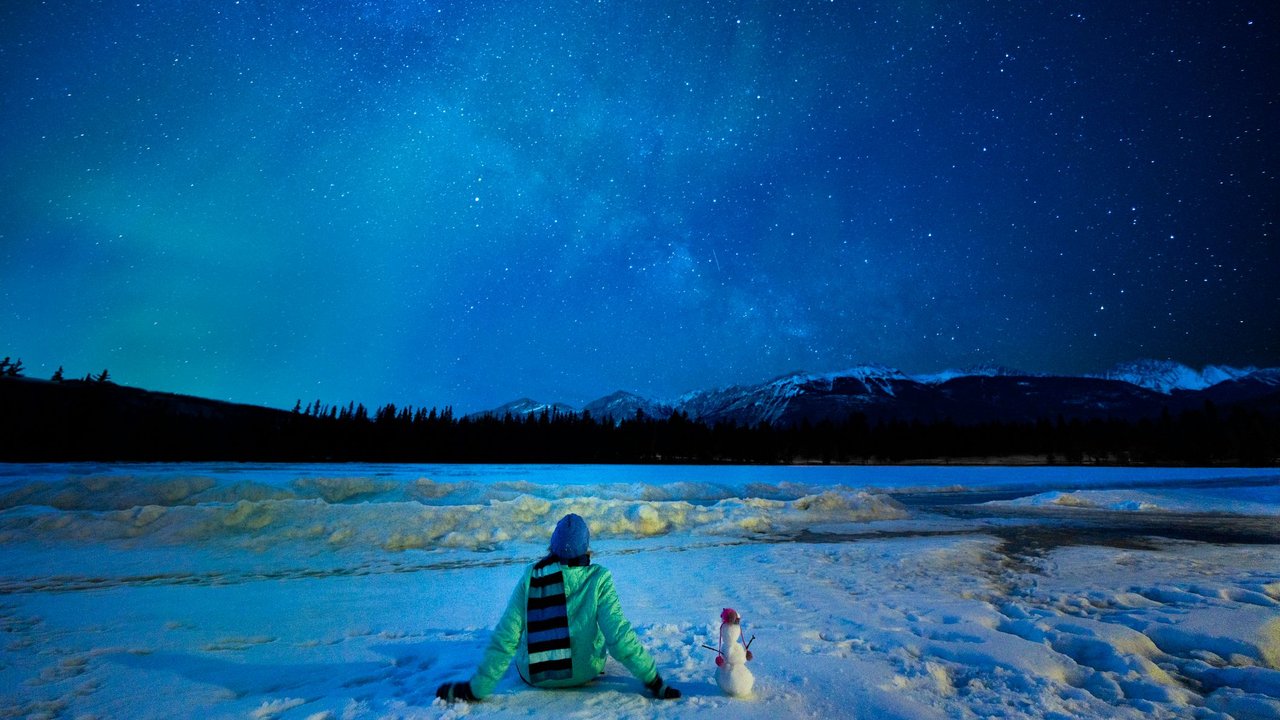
(562, 616)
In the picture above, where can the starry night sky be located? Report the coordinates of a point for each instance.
(461, 203)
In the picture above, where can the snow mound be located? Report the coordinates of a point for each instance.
(1253, 501)
(328, 513)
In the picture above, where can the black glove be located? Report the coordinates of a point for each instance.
(451, 692)
(661, 690)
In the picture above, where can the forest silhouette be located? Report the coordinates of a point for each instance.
(96, 419)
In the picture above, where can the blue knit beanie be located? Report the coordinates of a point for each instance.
(571, 537)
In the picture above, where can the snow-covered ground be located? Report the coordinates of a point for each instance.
(352, 591)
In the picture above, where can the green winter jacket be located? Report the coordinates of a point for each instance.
(596, 623)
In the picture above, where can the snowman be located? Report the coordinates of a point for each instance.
(731, 659)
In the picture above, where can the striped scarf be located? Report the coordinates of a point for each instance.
(550, 657)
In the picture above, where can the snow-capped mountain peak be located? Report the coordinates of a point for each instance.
(866, 374)
(872, 372)
(1214, 374)
(622, 405)
(1166, 376)
(522, 408)
(976, 371)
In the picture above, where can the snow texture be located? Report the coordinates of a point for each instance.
(1238, 501)
(351, 592)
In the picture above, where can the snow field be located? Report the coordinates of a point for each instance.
(311, 595)
(938, 627)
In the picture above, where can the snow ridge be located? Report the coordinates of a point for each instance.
(771, 401)
(522, 408)
(1167, 376)
(623, 405)
(976, 371)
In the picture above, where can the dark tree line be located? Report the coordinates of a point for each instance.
(99, 420)
(11, 368)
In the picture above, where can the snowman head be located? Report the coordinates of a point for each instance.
(729, 634)
(730, 616)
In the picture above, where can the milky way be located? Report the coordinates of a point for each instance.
(462, 203)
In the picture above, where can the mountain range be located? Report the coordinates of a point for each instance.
(1214, 415)
(1131, 391)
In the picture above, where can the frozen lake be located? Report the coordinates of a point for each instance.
(731, 476)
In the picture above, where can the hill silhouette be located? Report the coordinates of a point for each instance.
(95, 419)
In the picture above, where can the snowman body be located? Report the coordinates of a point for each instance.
(732, 675)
